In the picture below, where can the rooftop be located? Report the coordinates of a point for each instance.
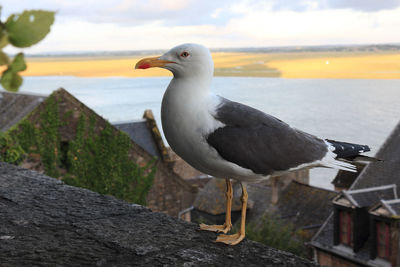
(367, 197)
(387, 171)
(15, 106)
(140, 134)
(305, 206)
(345, 179)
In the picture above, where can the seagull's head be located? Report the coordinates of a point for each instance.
(186, 60)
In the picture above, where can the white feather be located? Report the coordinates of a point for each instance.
(330, 161)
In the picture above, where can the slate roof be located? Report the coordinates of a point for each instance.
(386, 172)
(376, 174)
(345, 179)
(15, 106)
(324, 236)
(367, 197)
(140, 134)
(305, 206)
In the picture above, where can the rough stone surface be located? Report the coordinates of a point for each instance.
(44, 222)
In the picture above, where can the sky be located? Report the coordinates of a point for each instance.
(104, 25)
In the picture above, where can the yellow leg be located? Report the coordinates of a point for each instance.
(236, 238)
(228, 224)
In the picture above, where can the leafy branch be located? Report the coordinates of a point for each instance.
(21, 31)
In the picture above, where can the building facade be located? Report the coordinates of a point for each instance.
(363, 227)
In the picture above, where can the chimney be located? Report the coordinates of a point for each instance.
(275, 186)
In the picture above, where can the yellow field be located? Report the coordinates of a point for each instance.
(360, 65)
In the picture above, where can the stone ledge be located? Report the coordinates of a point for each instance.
(44, 222)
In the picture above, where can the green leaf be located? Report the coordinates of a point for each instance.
(4, 60)
(18, 63)
(10, 80)
(29, 27)
(3, 36)
(3, 40)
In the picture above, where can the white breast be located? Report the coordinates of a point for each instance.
(187, 119)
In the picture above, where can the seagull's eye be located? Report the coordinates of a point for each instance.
(184, 54)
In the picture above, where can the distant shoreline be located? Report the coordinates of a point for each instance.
(385, 47)
(317, 64)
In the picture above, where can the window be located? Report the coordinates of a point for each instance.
(383, 248)
(345, 228)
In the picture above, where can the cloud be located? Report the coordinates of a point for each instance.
(359, 5)
(316, 27)
(292, 5)
(363, 5)
(182, 12)
(306, 5)
(131, 12)
(96, 25)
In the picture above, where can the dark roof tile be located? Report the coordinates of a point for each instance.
(305, 206)
(387, 171)
(345, 179)
(368, 197)
(15, 106)
(140, 134)
(324, 237)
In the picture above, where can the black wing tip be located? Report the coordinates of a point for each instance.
(347, 150)
(366, 148)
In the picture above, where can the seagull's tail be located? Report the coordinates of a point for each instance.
(347, 153)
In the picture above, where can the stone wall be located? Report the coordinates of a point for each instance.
(44, 222)
(170, 193)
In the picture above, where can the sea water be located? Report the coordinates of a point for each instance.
(351, 110)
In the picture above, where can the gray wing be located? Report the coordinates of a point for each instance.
(260, 142)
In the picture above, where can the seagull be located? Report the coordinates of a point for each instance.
(230, 140)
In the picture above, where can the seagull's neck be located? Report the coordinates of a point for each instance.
(185, 113)
(185, 95)
(196, 87)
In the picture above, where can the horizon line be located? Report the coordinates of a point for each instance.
(270, 49)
